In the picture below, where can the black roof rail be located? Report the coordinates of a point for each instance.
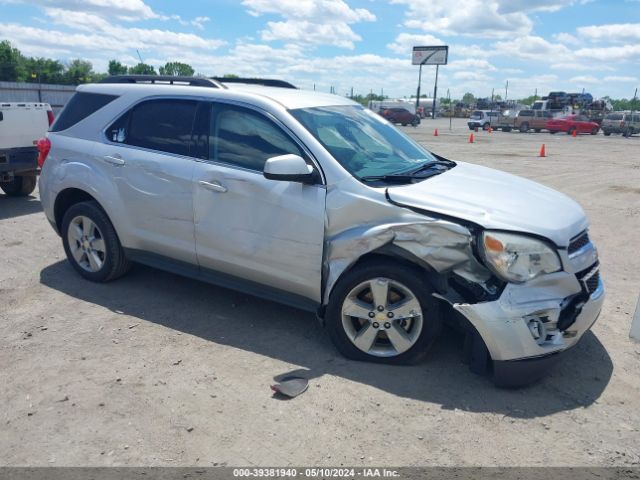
(267, 82)
(164, 79)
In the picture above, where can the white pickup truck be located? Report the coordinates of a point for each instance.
(21, 126)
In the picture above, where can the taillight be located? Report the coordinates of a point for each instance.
(50, 117)
(44, 147)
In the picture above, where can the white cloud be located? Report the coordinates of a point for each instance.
(509, 6)
(311, 22)
(612, 33)
(610, 54)
(480, 18)
(566, 38)
(405, 42)
(130, 10)
(590, 79)
(620, 78)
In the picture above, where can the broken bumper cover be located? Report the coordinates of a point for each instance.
(530, 324)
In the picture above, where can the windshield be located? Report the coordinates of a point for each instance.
(476, 115)
(363, 143)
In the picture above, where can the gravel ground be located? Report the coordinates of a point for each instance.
(155, 369)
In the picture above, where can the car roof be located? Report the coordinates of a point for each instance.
(289, 98)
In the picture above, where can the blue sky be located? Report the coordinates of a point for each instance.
(546, 45)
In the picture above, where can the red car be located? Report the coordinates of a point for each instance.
(572, 123)
(400, 115)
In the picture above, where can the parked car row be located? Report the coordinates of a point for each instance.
(625, 123)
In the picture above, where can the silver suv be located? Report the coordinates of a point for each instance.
(625, 123)
(312, 200)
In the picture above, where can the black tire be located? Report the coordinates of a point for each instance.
(571, 130)
(553, 132)
(414, 279)
(507, 129)
(20, 186)
(537, 130)
(524, 128)
(485, 126)
(594, 131)
(606, 134)
(404, 124)
(115, 263)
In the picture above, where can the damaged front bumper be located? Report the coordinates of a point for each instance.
(530, 324)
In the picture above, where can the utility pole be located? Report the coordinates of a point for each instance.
(450, 108)
(506, 91)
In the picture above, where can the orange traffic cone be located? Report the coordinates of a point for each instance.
(575, 133)
(543, 152)
(490, 129)
(471, 138)
(435, 132)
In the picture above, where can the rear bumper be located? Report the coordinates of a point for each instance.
(18, 160)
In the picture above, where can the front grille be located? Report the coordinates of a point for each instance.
(592, 283)
(590, 278)
(578, 242)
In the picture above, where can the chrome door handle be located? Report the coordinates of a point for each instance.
(114, 159)
(214, 186)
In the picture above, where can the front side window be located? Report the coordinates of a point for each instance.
(361, 142)
(246, 139)
(163, 125)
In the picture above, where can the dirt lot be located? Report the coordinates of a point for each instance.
(156, 369)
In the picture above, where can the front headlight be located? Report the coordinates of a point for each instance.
(518, 258)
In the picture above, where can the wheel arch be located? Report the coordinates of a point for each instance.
(66, 199)
(390, 253)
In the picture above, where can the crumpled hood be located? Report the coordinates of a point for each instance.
(496, 200)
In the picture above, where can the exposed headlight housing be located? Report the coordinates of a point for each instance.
(518, 258)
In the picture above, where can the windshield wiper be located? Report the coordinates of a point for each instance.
(401, 177)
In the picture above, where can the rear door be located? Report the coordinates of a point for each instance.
(246, 226)
(148, 153)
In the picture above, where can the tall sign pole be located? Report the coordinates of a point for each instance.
(435, 93)
(418, 92)
(436, 55)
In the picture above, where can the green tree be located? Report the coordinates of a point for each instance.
(230, 75)
(142, 69)
(117, 68)
(43, 70)
(529, 100)
(468, 98)
(11, 63)
(177, 69)
(78, 71)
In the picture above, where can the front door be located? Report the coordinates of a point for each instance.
(265, 231)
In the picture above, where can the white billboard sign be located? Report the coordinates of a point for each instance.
(430, 55)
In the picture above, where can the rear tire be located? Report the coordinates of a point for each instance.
(524, 128)
(20, 186)
(594, 131)
(485, 126)
(401, 332)
(571, 130)
(606, 134)
(91, 243)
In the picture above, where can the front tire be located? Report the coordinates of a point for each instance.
(91, 243)
(383, 312)
(594, 131)
(20, 186)
(524, 128)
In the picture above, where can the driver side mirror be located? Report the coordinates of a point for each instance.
(290, 168)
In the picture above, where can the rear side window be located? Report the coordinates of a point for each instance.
(81, 105)
(163, 125)
(244, 138)
(614, 116)
(526, 113)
